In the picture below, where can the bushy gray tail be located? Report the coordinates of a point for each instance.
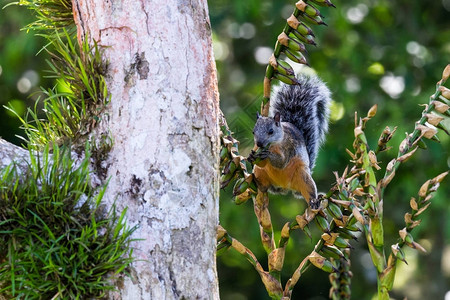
(305, 105)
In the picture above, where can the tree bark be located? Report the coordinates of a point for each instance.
(162, 118)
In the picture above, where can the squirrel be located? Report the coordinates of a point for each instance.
(288, 141)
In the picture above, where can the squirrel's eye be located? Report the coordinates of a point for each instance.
(270, 131)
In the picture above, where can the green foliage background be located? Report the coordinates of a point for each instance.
(365, 44)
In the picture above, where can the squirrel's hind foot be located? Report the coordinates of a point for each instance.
(314, 203)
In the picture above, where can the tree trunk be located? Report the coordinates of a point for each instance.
(162, 119)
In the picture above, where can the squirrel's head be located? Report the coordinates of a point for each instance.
(267, 130)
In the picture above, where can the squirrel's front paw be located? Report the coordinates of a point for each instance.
(256, 156)
(263, 154)
(252, 156)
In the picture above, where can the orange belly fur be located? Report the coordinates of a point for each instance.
(269, 175)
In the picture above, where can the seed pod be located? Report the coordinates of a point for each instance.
(354, 184)
(405, 236)
(295, 45)
(446, 73)
(407, 156)
(358, 215)
(424, 189)
(334, 210)
(372, 111)
(284, 68)
(323, 3)
(408, 218)
(433, 119)
(339, 222)
(308, 39)
(317, 20)
(276, 259)
(386, 135)
(426, 131)
(290, 43)
(223, 153)
(332, 252)
(353, 227)
(320, 262)
(309, 10)
(293, 22)
(273, 61)
(230, 168)
(340, 242)
(358, 131)
(301, 221)
(304, 29)
(445, 92)
(225, 180)
(345, 233)
(291, 80)
(403, 146)
(285, 231)
(344, 195)
(328, 267)
(242, 198)
(417, 246)
(240, 186)
(440, 107)
(373, 160)
(351, 220)
(413, 203)
(439, 178)
(307, 231)
(220, 232)
(296, 56)
(322, 223)
(329, 238)
(398, 252)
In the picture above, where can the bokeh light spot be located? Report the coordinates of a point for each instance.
(32, 76)
(357, 13)
(337, 111)
(376, 68)
(392, 85)
(352, 84)
(233, 30)
(247, 31)
(24, 85)
(221, 50)
(262, 55)
(446, 5)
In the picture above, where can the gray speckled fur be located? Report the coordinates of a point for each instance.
(305, 106)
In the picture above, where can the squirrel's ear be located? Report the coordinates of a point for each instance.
(257, 115)
(276, 118)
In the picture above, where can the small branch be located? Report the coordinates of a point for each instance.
(409, 143)
(261, 207)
